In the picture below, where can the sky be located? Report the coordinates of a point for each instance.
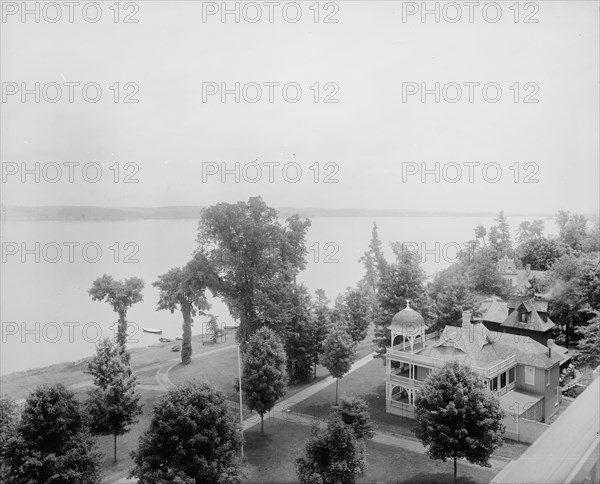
(380, 146)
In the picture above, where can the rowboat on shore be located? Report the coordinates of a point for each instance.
(153, 331)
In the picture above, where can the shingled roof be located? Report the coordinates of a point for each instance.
(475, 345)
(493, 309)
(534, 322)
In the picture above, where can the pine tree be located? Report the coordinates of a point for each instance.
(374, 261)
(504, 242)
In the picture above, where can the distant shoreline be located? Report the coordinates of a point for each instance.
(92, 213)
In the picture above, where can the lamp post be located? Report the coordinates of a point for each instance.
(241, 409)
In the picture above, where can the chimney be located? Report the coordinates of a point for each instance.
(550, 344)
(466, 318)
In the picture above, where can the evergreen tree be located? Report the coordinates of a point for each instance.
(321, 320)
(192, 438)
(504, 241)
(457, 417)
(114, 404)
(374, 261)
(300, 338)
(355, 308)
(264, 375)
(405, 279)
(52, 442)
(450, 302)
(339, 352)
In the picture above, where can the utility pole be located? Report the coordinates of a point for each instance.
(241, 408)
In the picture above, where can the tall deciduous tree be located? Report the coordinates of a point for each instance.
(457, 417)
(52, 442)
(588, 347)
(264, 375)
(121, 295)
(332, 455)
(254, 255)
(184, 288)
(114, 404)
(540, 253)
(8, 424)
(339, 352)
(573, 288)
(572, 229)
(191, 438)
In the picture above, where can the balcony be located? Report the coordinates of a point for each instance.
(432, 362)
(403, 380)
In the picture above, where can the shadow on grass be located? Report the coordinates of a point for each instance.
(437, 478)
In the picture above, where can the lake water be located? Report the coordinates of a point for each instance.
(48, 317)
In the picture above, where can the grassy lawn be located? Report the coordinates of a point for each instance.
(271, 459)
(368, 382)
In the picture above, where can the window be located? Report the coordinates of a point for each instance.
(494, 384)
(511, 375)
(557, 396)
(502, 380)
(529, 375)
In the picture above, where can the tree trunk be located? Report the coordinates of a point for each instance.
(186, 343)
(115, 453)
(262, 426)
(122, 328)
(455, 470)
(337, 380)
(315, 371)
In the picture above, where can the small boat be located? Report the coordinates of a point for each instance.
(178, 338)
(153, 331)
(164, 340)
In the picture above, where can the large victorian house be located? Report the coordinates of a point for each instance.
(521, 371)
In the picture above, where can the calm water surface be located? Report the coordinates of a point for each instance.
(48, 317)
